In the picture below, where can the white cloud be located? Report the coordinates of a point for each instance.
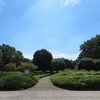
(59, 55)
(30, 56)
(67, 56)
(70, 2)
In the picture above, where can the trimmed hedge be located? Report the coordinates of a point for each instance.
(81, 80)
(17, 82)
(97, 64)
(86, 63)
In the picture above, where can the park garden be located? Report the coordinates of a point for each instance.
(18, 73)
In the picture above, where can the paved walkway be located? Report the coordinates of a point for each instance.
(45, 84)
(44, 90)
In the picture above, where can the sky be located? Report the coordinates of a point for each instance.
(59, 26)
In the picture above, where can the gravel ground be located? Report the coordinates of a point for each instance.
(45, 90)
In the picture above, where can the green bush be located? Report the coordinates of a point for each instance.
(3, 74)
(58, 64)
(86, 63)
(69, 64)
(30, 76)
(97, 64)
(10, 67)
(17, 82)
(81, 80)
(38, 72)
(31, 67)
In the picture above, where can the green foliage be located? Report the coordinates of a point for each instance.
(77, 80)
(9, 54)
(31, 67)
(42, 59)
(97, 64)
(69, 64)
(89, 64)
(17, 82)
(31, 76)
(41, 76)
(91, 48)
(10, 67)
(3, 74)
(58, 64)
(86, 63)
(38, 72)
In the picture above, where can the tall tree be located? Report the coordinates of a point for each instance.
(91, 48)
(9, 54)
(42, 58)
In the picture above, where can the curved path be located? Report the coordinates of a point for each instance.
(44, 90)
(44, 84)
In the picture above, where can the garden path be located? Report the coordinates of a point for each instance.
(44, 84)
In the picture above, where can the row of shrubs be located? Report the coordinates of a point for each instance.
(77, 80)
(89, 64)
(15, 81)
(58, 64)
(22, 67)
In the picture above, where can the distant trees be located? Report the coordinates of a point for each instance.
(89, 58)
(8, 55)
(91, 48)
(69, 64)
(86, 63)
(42, 58)
(58, 64)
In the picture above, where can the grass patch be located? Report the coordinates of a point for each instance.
(41, 76)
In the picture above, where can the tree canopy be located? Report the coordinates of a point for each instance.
(91, 48)
(58, 64)
(42, 58)
(9, 54)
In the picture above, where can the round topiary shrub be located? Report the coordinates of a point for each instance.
(86, 63)
(16, 82)
(58, 64)
(97, 64)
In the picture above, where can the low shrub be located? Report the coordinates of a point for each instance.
(24, 66)
(3, 74)
(32, 77)
(81, 80)
(41, 76)
(10, 67)
(38, 72)
(17, 82)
